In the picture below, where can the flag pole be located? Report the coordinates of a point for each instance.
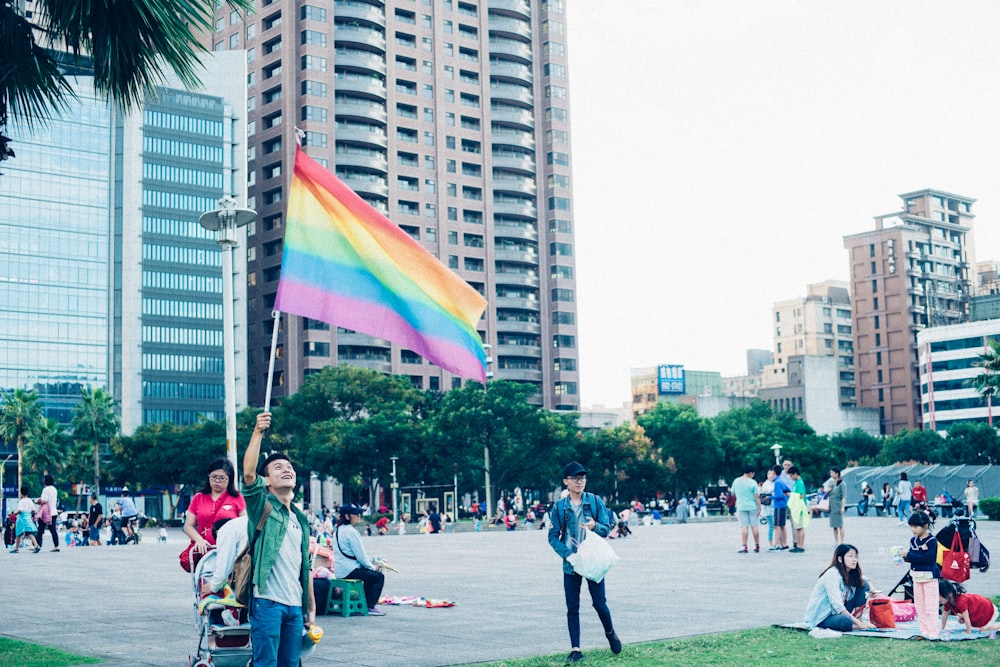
(270, 364)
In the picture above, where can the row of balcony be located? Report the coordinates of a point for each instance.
(526, 232)
(508, 26)
(519, 8)
(344, 33)
(365, 60)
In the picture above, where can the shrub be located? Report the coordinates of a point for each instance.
(990, 507)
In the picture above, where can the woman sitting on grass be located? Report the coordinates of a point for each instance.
(840, 594)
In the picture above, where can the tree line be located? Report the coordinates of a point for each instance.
(348, 423)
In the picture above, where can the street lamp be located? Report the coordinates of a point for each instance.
(486, 444)
(776, 448)
(225, 220)
(394, 487)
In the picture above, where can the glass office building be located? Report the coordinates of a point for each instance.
(55, 245)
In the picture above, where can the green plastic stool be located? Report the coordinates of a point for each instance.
(351, 601)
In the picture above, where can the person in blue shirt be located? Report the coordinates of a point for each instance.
(572, 516)
(839, 592)
(779, 501)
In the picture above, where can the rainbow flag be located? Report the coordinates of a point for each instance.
(346, 264)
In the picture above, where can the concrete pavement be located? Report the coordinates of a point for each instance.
(133, 605)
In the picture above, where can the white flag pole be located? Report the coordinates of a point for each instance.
(270, 365)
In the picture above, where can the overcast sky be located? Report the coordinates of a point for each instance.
(722, 149)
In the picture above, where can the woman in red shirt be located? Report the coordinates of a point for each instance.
(217, 499)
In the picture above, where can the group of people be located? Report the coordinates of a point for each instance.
(841, 593)
(777, 501)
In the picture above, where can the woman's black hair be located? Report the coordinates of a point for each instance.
(904, 476)
(852, 578)
(225, 466)
(840, 480)
(49, 479)
(920, 519)
(950, 591)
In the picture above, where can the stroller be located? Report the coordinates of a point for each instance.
(219, 644)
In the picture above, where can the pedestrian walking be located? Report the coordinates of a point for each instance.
(572, 516)
(48, 511)
(25, 527)
(904, 491)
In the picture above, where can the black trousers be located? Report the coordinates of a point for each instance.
(52, 530)
(373, 581)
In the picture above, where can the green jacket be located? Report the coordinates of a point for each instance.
(271, 535)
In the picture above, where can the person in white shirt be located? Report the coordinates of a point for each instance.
(230, 539)
(48, 511)
(350, 560)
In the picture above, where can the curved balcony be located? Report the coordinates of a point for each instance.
(511, 70)
(516, 7)
(518, 302)
(524, 279)
(363, 340)
(364, 60)
(511, 47)
(508, 26)
(370, 86)
(359, 11)
(511, 92)
(525, 257)
(523, 209)
(367, 160)
(360, 110)
(352, 34)
(533, 351)
(514, 115)
(362, 134)
(507, 137)
(508, 231)
(371, 364)
(522, 374)
(516, 185)
(517, 326)
(377, 187)
(516, 162)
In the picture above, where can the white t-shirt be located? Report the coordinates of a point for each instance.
(25, 505)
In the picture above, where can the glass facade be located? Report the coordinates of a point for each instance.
(54, 256)
(184, 162)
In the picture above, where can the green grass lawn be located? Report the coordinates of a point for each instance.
(15, 653)
(780, 646)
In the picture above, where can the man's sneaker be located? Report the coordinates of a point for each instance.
(614, 642)
(56, 549)
(782, 548)
(774, 548)
(375, 611)
(743, 551)
(795, 550)
(574, 656)
(756, 549)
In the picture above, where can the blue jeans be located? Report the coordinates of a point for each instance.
(276, 632)
(904, 510)
(843, 622)
(571, 586)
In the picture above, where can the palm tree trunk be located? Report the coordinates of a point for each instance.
(97, 468)
(19, 457)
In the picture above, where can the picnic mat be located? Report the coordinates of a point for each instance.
(953, 632)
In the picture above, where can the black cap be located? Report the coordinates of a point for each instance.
(350, 508)
(574, 468)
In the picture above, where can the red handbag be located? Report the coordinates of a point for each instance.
(880, 613)
(189, 558)
(956, 564)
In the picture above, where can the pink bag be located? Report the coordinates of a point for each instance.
(903, 611)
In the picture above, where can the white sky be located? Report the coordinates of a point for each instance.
(723, 148)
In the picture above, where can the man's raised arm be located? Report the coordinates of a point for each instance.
(252, 455)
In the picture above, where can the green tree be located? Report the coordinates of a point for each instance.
(970, 443)
(129, 45)
(857, 445)
(622, 463)
(95, 421)
(20, 417)
(912, 445)
(47, 447)
(348, 422)
(680, 434)
(987, 383)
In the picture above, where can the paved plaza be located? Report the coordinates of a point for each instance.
(132, 605)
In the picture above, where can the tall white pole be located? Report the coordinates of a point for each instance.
(228, 350)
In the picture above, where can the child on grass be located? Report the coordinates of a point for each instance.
(975, 611)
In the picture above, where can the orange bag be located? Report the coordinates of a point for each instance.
(880, 613)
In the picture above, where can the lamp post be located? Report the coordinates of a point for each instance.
(394, 487)
(776, 448)
(486, 444)
(225, 220)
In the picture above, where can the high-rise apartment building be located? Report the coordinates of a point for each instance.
(110, 281)
(818, 324)
(910, 272)
(452, 118)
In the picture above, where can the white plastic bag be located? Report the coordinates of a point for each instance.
(594, 557)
